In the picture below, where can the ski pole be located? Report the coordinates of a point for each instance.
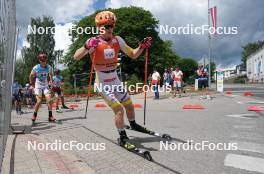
(145, 83)
(89, 85)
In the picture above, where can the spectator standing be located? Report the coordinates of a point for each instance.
(155, 83)
(177, 82)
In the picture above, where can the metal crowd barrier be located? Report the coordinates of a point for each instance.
(8, 38)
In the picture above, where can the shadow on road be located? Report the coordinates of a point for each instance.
(139, 140)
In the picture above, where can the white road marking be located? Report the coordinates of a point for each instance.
(247, 137)
(248, 146)
(255, 102)
(245, 162)
(245, 116)
(243, 126)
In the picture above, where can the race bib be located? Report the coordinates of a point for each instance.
(109, 53)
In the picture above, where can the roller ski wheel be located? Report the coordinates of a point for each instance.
(166, 136)
(132, 148)
(147, 156)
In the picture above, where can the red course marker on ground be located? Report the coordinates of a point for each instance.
(188, 106)
(256, 108)
(229, 92)
(248, 94)
(137, 105)
(72, 106)
(100, 105)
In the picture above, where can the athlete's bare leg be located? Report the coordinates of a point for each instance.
(119, 117)
(57, 102)
(38, 103)
(49, 101)
(130, 111)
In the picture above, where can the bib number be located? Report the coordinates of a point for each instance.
(109, 53)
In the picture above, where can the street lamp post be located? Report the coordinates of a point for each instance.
(209, 47)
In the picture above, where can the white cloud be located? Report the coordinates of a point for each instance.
(62, 38)
(18, 55)
(184, 12)
(225, 48)
(176, 14)
(62, 11)
(25, 44)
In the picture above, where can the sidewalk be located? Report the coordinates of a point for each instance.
(114, 159)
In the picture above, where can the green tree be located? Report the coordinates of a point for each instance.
(213, 68)
(188, 67)
(249, 49)
(19, 71)
(133, 24)
(38, 42)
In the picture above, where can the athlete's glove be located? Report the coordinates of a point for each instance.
(145, 43)
(91, 43)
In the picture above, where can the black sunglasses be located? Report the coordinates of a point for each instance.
(108, 26)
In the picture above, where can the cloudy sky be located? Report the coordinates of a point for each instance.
(247, 15)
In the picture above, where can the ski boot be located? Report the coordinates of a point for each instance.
(58, 110)
(137, 127)
(64, 107)
(123, 141)
(34, 117)
(51, 119)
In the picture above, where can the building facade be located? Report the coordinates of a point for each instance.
(227, 73)
(241, 70)
(255, 67)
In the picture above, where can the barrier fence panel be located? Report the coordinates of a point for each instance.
(8, 36)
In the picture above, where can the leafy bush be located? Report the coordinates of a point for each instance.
(240, 79)
(133, 80)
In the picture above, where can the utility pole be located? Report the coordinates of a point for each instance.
(209, 47)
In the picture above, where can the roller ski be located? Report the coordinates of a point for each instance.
(58, 110)
(68, 109)
(123, 142)
(138, 128)
(65, 107)
(51, 119)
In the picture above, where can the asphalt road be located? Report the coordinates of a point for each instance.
(256, 89)
(224, 120)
